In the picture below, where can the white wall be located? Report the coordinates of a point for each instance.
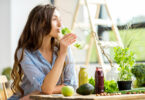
(20, 10)
(13, 15)
(66, 8)
(5, 47)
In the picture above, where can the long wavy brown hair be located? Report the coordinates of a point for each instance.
(37, 27)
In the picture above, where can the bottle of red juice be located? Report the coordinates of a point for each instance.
(99, 80)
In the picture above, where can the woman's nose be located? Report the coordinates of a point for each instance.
(59, 23)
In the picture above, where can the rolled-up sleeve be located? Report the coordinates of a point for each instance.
(33, 74)
(69, 71)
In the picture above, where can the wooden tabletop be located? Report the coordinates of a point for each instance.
(89, 97)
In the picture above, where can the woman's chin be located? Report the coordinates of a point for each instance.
(59, 36)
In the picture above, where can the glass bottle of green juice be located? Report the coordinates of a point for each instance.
(83, 75)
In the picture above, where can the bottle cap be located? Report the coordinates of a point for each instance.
(98, 66)
(83, 67)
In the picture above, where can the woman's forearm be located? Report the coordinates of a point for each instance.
(53, 76)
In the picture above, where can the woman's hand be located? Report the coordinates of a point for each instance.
(66, 41)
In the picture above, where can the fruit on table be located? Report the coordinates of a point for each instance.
(85, 89)
(67, 90)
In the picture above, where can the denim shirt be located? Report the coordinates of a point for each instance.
(36, 67)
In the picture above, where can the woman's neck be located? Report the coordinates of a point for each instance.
(46, 44)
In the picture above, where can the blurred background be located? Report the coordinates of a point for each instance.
(128, 15)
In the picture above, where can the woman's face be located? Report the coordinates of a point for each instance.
(55, 25)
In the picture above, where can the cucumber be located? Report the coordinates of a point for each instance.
(133, 91)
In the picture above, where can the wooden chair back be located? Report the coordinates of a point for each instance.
(3, 80)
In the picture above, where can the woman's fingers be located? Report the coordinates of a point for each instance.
(69, 39)
(69, 35)
(66, 41)
(72, 41)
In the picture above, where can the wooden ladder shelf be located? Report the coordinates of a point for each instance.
(92, 25)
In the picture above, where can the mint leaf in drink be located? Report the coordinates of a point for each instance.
(77, 45)
(65, 31)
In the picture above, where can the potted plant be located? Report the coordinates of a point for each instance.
(125, 58)
(7, 72)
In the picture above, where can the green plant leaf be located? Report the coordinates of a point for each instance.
(65, 31)
(7, 72)
(125, 59)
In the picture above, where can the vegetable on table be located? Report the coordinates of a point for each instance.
(91, 81)
(133, 91)
(138, 71)
(110, 86)
(85, 89)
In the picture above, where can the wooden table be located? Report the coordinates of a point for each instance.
(89, 97)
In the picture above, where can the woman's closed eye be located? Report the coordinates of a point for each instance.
(54, 18)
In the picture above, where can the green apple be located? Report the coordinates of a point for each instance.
(67, 90)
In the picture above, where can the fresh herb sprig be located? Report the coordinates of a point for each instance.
(125, 58)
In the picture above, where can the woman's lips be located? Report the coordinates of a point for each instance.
(59, 30)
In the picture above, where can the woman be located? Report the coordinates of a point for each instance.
(43, 60)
